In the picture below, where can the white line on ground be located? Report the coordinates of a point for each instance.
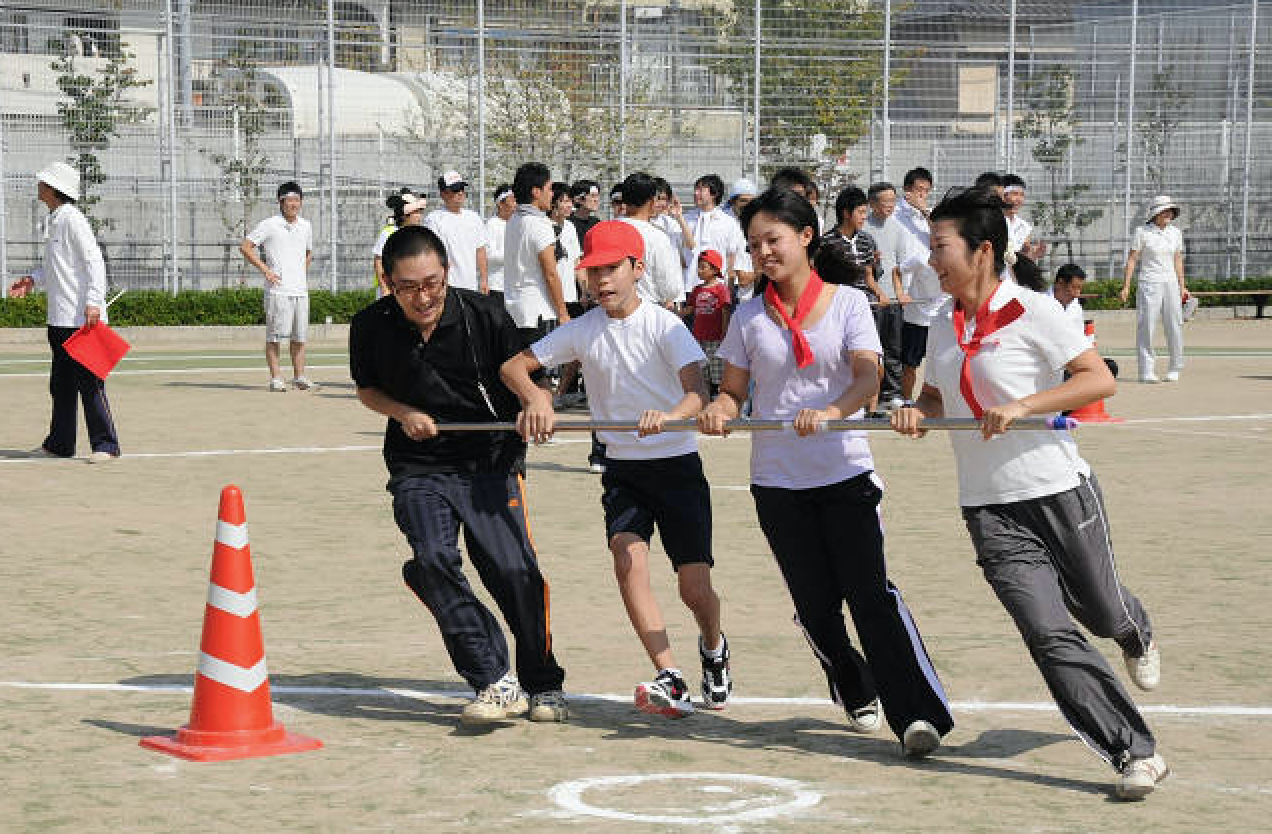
(425, 694)
(1204, 418)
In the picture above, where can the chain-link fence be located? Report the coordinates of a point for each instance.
(184, 116)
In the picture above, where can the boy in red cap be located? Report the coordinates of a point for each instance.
(641, 365)
(709, 303)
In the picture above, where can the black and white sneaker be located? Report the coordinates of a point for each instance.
(667, 694)
(717, 681)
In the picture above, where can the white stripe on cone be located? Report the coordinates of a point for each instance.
(243, 679)
(232, 602)
(231, 535)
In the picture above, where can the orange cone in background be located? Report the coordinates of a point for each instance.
(232, 716)
(1093, 412)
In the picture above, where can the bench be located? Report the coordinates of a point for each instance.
(1260, 297)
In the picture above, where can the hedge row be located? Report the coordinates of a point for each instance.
(220, 307)
(245, 306)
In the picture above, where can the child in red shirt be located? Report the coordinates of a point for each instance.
(709, 303)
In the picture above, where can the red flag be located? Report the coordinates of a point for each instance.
(97, 348)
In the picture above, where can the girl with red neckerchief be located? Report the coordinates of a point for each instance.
(813, 352)
(998, 352)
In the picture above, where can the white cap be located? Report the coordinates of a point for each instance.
(1159, 204)
(412, 203)
(62, 177)
(450, 179)
(742, 187)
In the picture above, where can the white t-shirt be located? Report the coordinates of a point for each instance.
(464, 233)
(285, 247)
(716, 230)
(495, 228)
(1026, 356)
(889, 238)
(757, 344)
(662, 281)
(1157, 248)
(1018, 230)
(526, 296)
(1073, 310)
(917, 276)
(565, 266)
(630, 365)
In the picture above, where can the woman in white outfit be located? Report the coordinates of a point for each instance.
(1158, 248)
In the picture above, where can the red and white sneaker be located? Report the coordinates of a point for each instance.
(667, 694)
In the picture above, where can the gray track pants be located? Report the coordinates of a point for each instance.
(1046, 559)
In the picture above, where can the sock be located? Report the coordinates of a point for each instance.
(714, 654)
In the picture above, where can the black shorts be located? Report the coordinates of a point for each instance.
(671, 493)
(913, 344)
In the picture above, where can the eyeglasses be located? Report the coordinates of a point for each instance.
(431, 288)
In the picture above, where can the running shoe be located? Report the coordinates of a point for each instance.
(920, 739)
(1145, 670)
(302, 383)
(1140, 776)
(549, 706)
(502, 699)
(277, 385)
(867, 719)
(717, 680)
(667, 694)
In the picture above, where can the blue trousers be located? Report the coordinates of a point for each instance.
(430, 510)
(69, 380)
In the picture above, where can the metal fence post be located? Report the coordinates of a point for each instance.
(1245, 175)
(886, 163)
(4, 235)
(481, 107)
(1011, 87)
(333, 213)
(622, 90)
(1130, 131)
(755, 128)
(169, 95)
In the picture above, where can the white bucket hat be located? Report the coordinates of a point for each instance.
(1158, 205)
(743, 187)
(62, 177)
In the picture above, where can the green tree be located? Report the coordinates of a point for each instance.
(1170, 101)
(240, 173)
(95, 110)
(1050, 119)
(828, 84)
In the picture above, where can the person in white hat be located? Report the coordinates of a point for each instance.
(1157, 247)
(74, 276)
(464, 233)
(408, 210)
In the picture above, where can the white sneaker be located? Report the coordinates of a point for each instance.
(867, 719)
(1171, 376)
(920, 739)
(596, 468)
(301, 383)
(1140, 776)
(1145, 670)
(666, 695)
(102, 457)
(502, 699)
(1149, 379)
(549, 706)
(277, 385)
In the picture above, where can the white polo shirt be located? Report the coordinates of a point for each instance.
(917, 276)
(662, 281)
(73, 273)
(565, 266)
(1157, 248)
(716, 230)
(629, 365)
(285, 248)
(1025, 357)
(1073, 310)
(496, 227)
(1018, 231)
(464, 233)
(529, 232)
(888, 237)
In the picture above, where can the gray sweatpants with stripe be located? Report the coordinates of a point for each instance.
(1050, 561)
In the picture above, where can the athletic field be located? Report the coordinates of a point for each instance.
(105, 571)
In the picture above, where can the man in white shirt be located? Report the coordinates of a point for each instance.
(661, 283)
(496, 227)
(711, 228)
(1068, 287)
(532, 288)
(888, 236)
(923, 288)
(463, 232)
(288, 243)
(74, 276)
(1018, 228)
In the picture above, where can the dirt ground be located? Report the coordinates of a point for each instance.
(106, 571)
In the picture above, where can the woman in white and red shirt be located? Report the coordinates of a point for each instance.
(998, 352)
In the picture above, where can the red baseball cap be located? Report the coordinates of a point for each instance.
(609, 241)
(712, 257)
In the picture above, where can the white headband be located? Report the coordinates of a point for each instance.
(499, 198)
(1009, 189)
(287, 194)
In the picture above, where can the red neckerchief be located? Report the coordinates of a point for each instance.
(986, 324)
(807, 298)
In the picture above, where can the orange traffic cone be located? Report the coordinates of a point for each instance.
(1093, 412)
(232, 716)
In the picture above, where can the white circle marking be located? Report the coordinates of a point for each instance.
(569, 795)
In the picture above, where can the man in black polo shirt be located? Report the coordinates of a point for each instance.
(427, 354)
